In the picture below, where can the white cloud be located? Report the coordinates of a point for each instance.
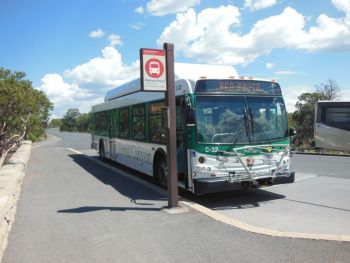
(139, 10)
(138, 26)
(259, 4)
(86, 84)
(105, 71)
(285, 72)
(54, 86)
(165, 7)
(212, 36)
(206, 36)
(181, 31)
(96, 34)
(291, 93)
(342, 5)
(59, 92)
(114, 40)
(331, 34)
(269, 65)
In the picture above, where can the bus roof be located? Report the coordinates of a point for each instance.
(192, 72)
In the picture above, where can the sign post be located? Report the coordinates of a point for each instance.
(157, 74)
(170, 103)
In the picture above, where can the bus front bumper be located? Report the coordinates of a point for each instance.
(220, 184)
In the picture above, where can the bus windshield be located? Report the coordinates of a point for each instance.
(240, 119)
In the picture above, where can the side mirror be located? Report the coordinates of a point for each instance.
(292, 132)
(190, 117)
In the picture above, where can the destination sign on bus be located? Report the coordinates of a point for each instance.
(238, 87)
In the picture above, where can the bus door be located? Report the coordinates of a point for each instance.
(181, 140)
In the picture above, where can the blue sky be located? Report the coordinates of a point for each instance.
(77, 50)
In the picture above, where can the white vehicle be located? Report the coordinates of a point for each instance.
(230, 132)
(332, 125)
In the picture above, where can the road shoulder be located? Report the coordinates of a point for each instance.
(11, 177)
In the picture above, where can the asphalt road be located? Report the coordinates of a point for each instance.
(330, 166)
(74, 210)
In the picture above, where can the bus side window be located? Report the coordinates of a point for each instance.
(101, 127)
(157, 122)
(124, 123)
(116, 123)
(138, 122)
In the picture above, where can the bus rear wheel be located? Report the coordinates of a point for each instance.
(161, 172)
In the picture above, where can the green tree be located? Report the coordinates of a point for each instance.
(69, 120)
(55, 123)
(24, 111)
(38, 122)
(330, 89)
(304, 117)
(83, 123)
(291, 122)
(74, 121)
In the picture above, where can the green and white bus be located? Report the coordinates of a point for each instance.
(231, 132)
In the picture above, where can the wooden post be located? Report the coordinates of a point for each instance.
(170, 103)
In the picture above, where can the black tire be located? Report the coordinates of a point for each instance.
(101, 152)
(161, 172)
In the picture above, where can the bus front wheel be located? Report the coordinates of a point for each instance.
(161, 172)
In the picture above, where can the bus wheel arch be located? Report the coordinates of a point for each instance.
(101, 150)
(160, 169)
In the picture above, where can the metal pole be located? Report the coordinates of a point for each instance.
(170, 103)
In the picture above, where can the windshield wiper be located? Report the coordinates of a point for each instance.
(244, 124)
(249, 124)
(258, 127)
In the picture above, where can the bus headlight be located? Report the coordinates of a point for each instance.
(201, 159)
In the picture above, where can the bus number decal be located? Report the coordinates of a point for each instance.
(211, 149)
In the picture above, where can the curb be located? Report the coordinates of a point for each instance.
(261, 230)
(11, 177)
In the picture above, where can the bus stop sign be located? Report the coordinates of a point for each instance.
(153, 70)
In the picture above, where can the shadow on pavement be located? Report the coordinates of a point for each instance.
(86, 209)
(243, 199)
(239, 200)
(129, 188)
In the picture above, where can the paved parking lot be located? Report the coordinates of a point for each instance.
(313, 205)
